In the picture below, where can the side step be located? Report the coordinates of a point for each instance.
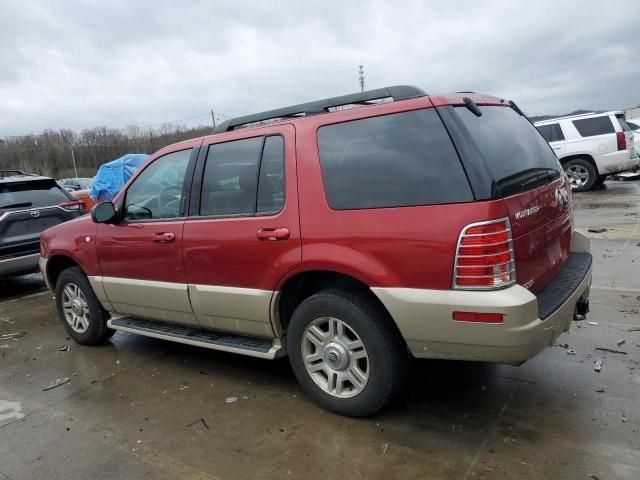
(227, 342)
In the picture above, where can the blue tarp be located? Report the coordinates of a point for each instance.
(112, 176)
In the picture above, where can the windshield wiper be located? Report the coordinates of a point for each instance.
(541, 176)
(17, 205)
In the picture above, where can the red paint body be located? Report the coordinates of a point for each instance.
(391, 247)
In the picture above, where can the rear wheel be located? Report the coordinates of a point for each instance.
(80, 310)
(582, 174)
(346, 353)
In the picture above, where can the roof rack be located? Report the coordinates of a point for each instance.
(396, 92)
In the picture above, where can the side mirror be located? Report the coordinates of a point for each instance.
(104, 213)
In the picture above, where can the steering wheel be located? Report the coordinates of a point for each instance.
(168, 201)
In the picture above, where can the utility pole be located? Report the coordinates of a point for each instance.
(213, 118)
(73, 158)
(361, 77)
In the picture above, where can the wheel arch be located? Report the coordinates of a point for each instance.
(580, 156)
(300, 286)
(56, 265)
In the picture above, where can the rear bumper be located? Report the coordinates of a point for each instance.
(616, 162)
(531, 323)
(17, 265)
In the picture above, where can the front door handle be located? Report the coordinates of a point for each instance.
(164, 237)
(272, 234)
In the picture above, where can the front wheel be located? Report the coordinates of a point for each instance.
(80, 310)
(582, 174)
(346, 353)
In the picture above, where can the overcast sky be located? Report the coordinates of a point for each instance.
(118, 63)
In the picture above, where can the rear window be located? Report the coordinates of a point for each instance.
(623, 123)
(30, 194)
(517, 157)
(398, 160)
(551, 132)
(590, 127)
(633, 125)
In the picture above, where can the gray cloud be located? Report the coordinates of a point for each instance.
(82, 64)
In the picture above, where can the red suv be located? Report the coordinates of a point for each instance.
(350, 233)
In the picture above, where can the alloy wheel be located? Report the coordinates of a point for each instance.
(578, 176)
(75, 308)
(335, 357)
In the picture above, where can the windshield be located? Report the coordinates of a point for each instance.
(517, 156)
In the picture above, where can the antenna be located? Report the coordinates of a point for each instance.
(361, 77)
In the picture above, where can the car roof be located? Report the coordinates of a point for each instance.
(11, 176)
(581, 115)
(336, 107)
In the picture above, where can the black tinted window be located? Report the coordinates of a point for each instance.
(271, 184)
(395, 160)
(30, 194)
(157, 192)
(230, 181)
(589, 127)
(551, 132)
(633, 125)
(514, 153)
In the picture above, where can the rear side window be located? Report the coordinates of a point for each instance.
(590, 127)
(551, 132)
(634, 126)
(517, 157)
(244, 177)
(30, 195)
(398, 160)
(623, 123)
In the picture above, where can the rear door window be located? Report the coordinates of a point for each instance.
(31, 194)
(590, 127)
(517, 157)
(398, 160)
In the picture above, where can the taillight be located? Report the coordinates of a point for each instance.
(622, 141)
(484, 256)
(72, 206)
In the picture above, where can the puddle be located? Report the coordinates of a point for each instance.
(10, 412)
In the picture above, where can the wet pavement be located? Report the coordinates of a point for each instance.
(144, 408)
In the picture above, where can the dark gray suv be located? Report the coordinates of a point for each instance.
(29, 204)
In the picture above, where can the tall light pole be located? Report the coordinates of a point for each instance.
(361, 77)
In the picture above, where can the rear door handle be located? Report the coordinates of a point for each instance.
(272, 234)
(164, 237)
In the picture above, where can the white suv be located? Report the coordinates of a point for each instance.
(591, 146)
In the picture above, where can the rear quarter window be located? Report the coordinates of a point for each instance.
(590, 127)
(398, 160)
(551, 132)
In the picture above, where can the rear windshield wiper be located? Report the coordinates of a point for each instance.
(551, 174)
(17, 205)
(519, 180)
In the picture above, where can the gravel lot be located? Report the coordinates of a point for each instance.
(143, 408)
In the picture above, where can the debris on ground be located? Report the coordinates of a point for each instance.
(597, 365)
(64, 348)
(597, 230)
(563, 345)
(600, 390)
(386, 447)
(621, 341)
(571, 352)
(59, 382)
(200, 420)
(231, 399)
(610, 350)
(623, 419)
(9, 336)
(593, 323)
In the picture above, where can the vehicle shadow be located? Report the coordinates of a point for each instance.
(19, 286)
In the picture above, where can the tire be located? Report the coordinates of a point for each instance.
(368, 382)
(85, 320)
(582, 174)
(600, 181)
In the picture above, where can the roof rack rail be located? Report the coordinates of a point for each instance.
(4, 172)
(396, 92)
